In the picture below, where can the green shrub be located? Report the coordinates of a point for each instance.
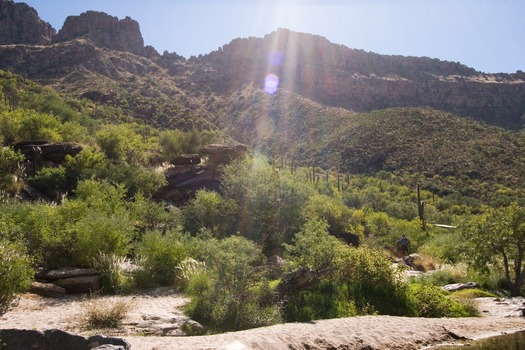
(371, 280)
(235, 294)
(15, 273)
(97, 233)
(52, 182)
(160, 254)
(431, 301)
(329, 299)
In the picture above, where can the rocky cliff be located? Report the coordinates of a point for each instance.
(338, 76)
(20, 24)
(170, 90)
(105, 31)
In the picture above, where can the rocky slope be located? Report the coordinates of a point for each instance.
(103, 58)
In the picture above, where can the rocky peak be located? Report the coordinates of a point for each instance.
(20, 24)
(104, 30)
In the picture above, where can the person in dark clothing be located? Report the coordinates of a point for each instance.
(402, 245)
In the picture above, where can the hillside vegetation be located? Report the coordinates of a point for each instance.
(215, 247)
(350, 152)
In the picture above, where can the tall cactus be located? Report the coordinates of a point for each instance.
(420, 207)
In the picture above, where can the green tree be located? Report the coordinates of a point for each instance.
(498, 238)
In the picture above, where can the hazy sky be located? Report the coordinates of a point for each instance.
(488, 35)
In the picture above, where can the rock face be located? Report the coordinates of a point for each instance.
(20, 24)
(104, 30)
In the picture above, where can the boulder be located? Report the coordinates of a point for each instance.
(459, 286)
(23, 339)
(66, 272)
(73, 280)
(83, 284)
(47, 289)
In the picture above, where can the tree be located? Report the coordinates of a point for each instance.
(497, 238)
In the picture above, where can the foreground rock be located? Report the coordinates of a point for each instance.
(23, 339)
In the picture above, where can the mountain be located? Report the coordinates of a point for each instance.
(333, 106)
(20, 24)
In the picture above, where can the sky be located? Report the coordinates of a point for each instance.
(487, 35)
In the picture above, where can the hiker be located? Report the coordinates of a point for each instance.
(402, 245)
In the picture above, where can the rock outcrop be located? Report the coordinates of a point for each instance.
(43, 151)
(104, 30)
(20, 24)
(71, 280)
(187, 175)
(22, 339)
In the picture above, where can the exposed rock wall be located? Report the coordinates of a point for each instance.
(104, 30)
(20, 24)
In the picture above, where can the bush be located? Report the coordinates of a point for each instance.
(98, 233)
(372, 282)
(431, 301)
(235, 294)
(15, 273)
(114, 278)
(159, 257)
(98, 313)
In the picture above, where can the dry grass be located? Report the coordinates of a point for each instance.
(101, 313)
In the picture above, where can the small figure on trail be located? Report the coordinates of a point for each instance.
(402, 245)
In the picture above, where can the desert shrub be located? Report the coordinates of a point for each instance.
(149, 216)
(160, 254)
(15, 273)
(98, 232)
(51, 182)
(121, 143)
(209, 211)
(339, 217)
(114, 279)
(135, 178)
(328, 299)
(11, 170)
(41, 229)
(270, 204)
(371, 281)
(446, 247)
(234, 294)
(447, 274)
(313, 246)
(187, 269)
(431, 301)
(100, 313)
(39, 126)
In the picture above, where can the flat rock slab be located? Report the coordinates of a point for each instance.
(67, 272)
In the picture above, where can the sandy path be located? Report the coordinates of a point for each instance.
(162, 308)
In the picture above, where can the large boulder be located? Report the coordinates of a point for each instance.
(24, 339)
(72, 280)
